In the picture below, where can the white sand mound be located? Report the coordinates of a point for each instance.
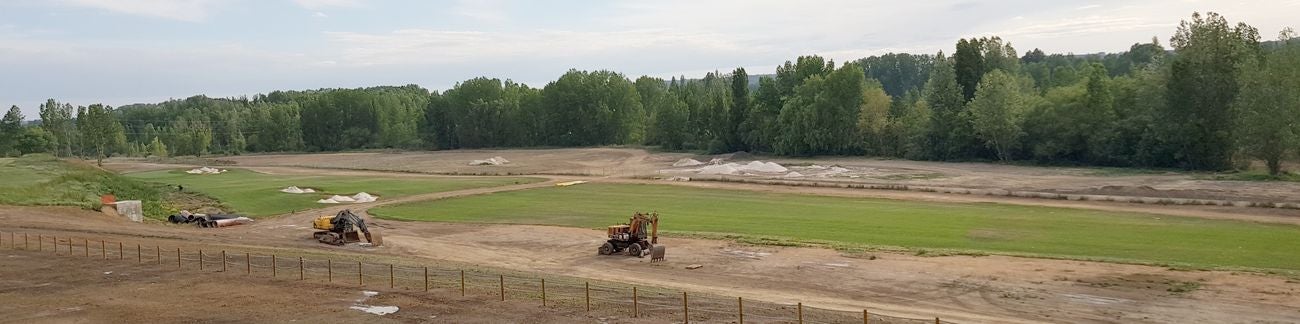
(717, 161)
(342, 199)
(205, 170)
(678, 178)
(492, 161)
(687, 162)
(763, 167)
(327, 201)
(729, 168)
(363, 197)
(296, 190)
(793, 174)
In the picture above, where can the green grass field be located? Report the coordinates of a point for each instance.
(257, 194)
(878, 223)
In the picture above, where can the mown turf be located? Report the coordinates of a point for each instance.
(257, 194)
(920, 226)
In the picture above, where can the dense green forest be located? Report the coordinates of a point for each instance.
(1214, 98)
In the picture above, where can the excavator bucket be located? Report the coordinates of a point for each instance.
(657, 253)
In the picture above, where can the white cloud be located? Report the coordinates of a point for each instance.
(325, 4)
(424, 46)
(481, 10)
(183, 10)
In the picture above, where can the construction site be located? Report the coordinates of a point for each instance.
(612, 235)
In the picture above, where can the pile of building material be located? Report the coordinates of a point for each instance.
(492, 161)
(205, 170)
(687, 162)
(296, 190)
(208, 221)
(361, 197)
(570, 183)
(751, 167)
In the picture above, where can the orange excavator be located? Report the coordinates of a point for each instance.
(640, 236)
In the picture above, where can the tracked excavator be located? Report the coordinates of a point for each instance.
(640, 236)
(343, 228)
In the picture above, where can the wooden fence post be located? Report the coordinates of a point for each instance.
(274, 270)
(157, 251)
(543, 291)
(329, 269)
(40, 242)
(426, 278)
(223, 260)
(139, 253)
(636, 307)
(119, 251)
(103, 250)
(390, 276)
(26, 246)
(360, 282)
(587, 286)
(800, 312)
(69, 246)
(866, 317)
(503, 287)
(686, 310)
(936, 321)
(462, 282)
(178, 258)
(301, 274)
(200, 259)
(740, 309)
(86, 242)
(248, 263)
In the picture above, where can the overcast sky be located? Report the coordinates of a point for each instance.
(127, 51)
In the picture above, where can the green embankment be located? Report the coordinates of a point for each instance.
(924, 227)
(43, 180)
(257, 194)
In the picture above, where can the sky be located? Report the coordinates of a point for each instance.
(120, 52)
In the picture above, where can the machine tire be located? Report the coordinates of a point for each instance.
(634, 250)
(606, 249)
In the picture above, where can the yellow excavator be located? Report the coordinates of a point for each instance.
(343, 228)
(640, 236)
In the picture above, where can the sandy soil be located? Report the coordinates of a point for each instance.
(40, 288)
(619, 162)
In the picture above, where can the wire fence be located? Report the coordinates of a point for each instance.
(634, 301)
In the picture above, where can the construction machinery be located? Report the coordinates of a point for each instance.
(343, 228)
(640, 236)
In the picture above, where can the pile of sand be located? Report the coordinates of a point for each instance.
(327, 201)
(296, 190)
(364, 197)
(751, 167)
(492, 161)
(342, 199)
(687, 162)
(205, 170)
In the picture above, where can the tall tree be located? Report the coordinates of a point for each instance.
(739, 109)
(1202, 86)
(873, 117)
(1268, 107)
(101, 131)
(950, 135)
(997, 113)
(11, 129)
(57, 120)
(969, 65)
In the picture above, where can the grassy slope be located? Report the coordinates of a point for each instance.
(257, 194)
(847, 222)
(42, 180)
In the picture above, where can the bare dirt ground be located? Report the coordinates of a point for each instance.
(629, 162)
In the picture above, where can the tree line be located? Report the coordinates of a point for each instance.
(1216, 99)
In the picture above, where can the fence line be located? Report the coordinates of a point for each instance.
(574, 292)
